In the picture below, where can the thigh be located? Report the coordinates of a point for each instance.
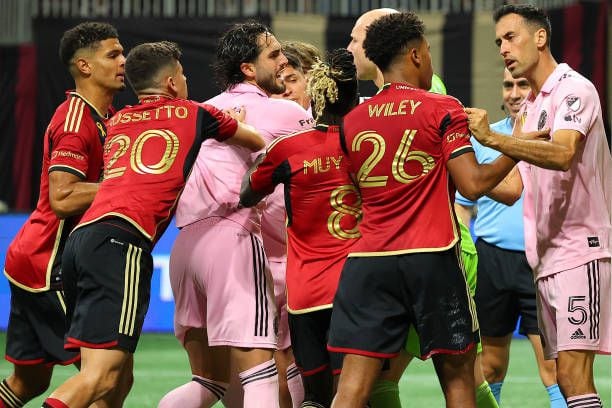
(278, 271)
(444, 312)
(370, 315)
(113, 288)
(495, 298)
(525, 290)
(36, 329)
(309, 333)
(241, 308)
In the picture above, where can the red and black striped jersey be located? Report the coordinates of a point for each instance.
(149, 152)
(322, 208)
(72, 143)
(398, 144)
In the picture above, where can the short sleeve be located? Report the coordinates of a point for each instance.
(577, 105)
(454, 131)
(69, 152)
(265, 177)
(216, 124)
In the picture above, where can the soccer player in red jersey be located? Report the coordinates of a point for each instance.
(107, 262)
(407, 149)
(71, 169)
(322, 215)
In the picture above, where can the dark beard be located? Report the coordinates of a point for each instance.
(270, 85)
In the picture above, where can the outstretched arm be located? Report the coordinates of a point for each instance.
(248, 196)
(68, 194)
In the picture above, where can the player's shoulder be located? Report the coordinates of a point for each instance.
(73, 116)
(291, 143)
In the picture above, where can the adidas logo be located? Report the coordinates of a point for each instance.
(578, 334)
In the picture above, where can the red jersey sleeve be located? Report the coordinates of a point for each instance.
(69, 151)
(454, 130)
(216, 124)
(267, 175)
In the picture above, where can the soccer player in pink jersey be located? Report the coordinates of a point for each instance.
(567, 178)
(225, 305)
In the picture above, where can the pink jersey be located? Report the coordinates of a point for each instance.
(213, 188)
(567, 215)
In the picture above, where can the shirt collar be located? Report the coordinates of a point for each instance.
(554, 78)
(245, 87)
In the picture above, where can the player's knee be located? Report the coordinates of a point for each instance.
(102, 382)
(29, 386)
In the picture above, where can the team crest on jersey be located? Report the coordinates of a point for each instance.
(573, 103)
(542, 120)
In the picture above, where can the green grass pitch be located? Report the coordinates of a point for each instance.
(161, 364)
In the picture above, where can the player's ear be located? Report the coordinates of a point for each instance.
(171, 85)
(415, 56)
(248, 70)
(82, 65)
(540, 37)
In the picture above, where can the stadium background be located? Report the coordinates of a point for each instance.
(33, 81)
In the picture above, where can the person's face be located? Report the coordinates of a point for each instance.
(106, 64)
(426, 68)
(366, 69)
(514, 90)
(269, 64)
(295, 86)
(180, 82)
(518, 44)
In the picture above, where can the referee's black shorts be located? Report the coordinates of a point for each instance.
(379, 297)
(505, 292)
(107, 269)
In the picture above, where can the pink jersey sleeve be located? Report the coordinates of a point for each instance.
(578, 107)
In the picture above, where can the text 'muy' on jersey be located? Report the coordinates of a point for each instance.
(322, 208)
(148, 155)
(398, 143)
(72, 143)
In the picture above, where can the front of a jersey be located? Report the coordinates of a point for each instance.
(322, 208)
(148, 155)
(73, 143)
(398, 144)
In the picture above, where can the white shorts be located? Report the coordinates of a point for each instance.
(279, 270)
(574, 309)
(221, 281)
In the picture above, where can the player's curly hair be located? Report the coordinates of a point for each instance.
(237, 45)
(145, 60)
(534, 16)
(333, 85)
(392, 35)
(306, 52)
(84, 35)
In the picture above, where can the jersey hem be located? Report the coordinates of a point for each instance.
(402, 251)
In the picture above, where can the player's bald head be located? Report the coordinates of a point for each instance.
(366, 70)
(369, 16)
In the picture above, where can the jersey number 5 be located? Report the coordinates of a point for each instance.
(402, 155)
(136, 163)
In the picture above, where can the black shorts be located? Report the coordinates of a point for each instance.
(505, 292)
(378, 298)
(309, 335)
(36, 328)
(107, 269)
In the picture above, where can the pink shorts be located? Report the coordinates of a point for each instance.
(221, 281)
(574, 309)
(279, 270)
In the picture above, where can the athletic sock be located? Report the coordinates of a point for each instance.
(484, 397)
(199, 392)
(260, 384)
(584, 401)
(496, 390)
(295, 385)
(54, 403)
(8, 399)
(557, 400)
(385, 394)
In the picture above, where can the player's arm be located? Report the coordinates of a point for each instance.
(247, 136)
(464, 213)
(68, 194)
(473, 180)
(509, 190)
(228, 127)
(556, 154)
(249, 197)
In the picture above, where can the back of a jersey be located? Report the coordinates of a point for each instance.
(398, 144)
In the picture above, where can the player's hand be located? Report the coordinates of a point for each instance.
(543, 134)
(238, 113)
(478, 122)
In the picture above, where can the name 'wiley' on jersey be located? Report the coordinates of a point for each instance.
(404, 107)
